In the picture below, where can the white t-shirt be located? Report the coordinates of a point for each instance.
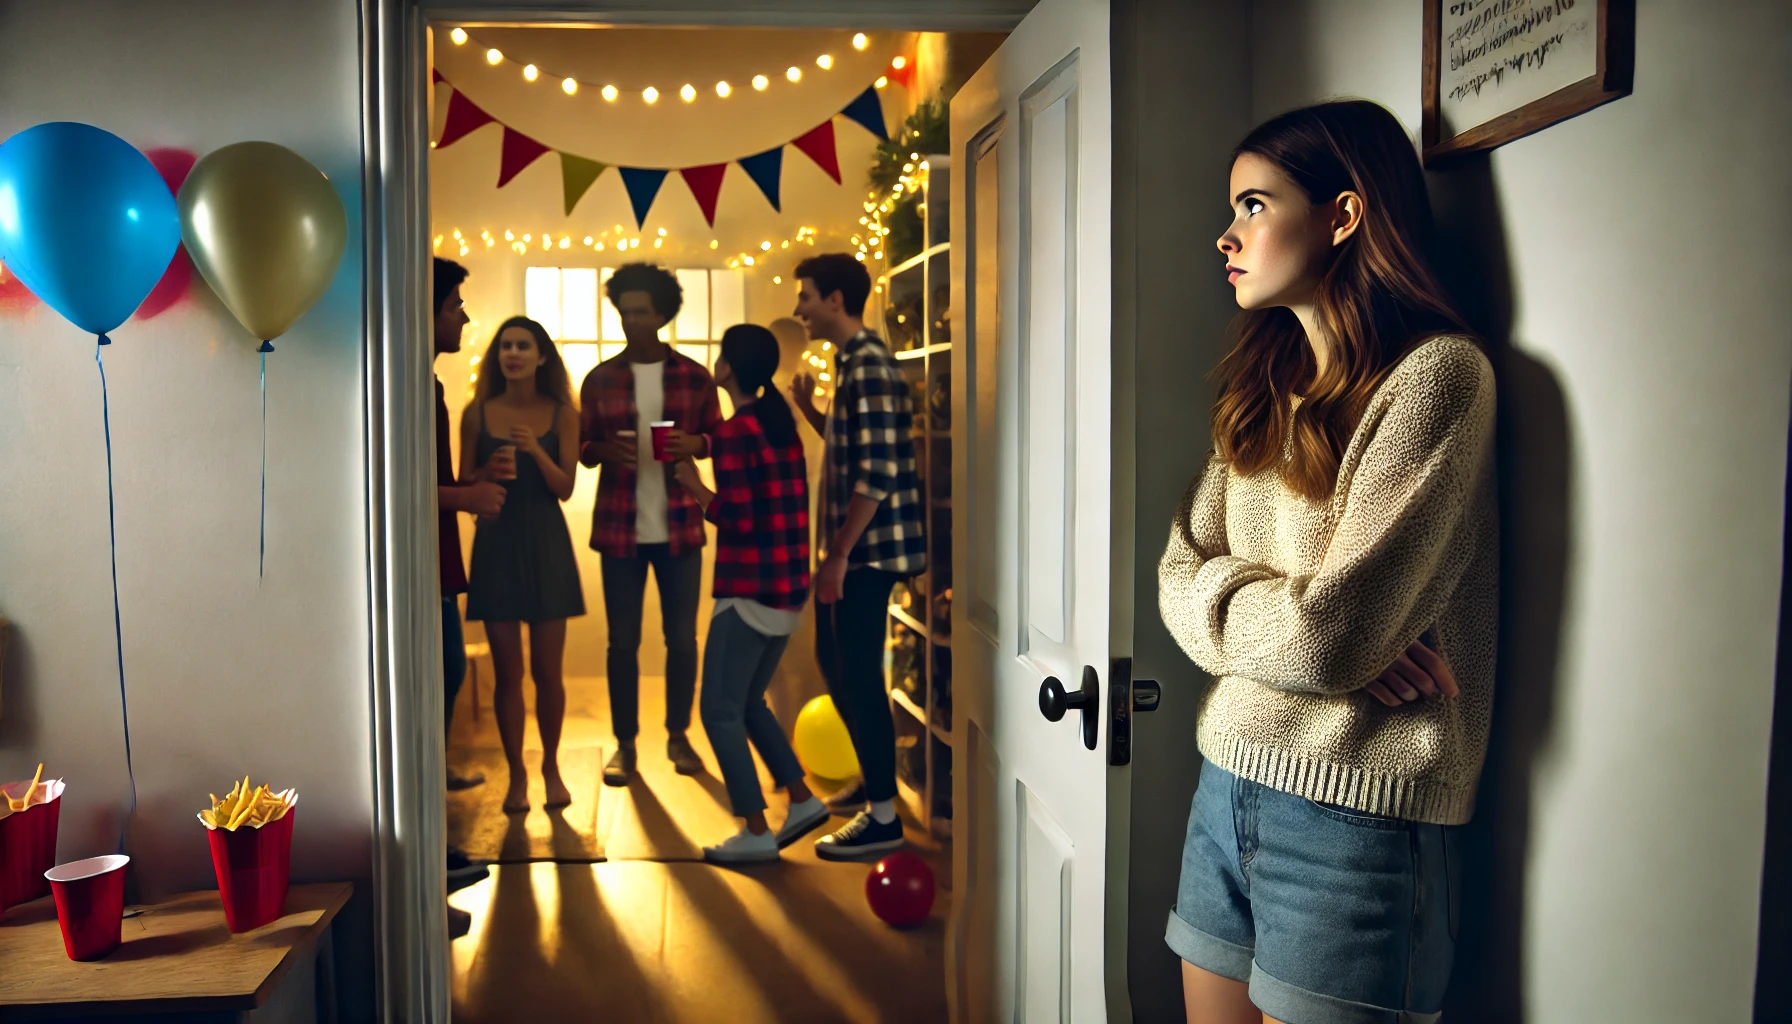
(650, 476)
(762, 619)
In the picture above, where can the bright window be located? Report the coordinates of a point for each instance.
(570, 303)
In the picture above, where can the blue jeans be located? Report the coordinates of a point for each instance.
(454, 656)
(680, 579)
(738, 663)
(1331, 915)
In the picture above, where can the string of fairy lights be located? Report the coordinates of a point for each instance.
(524, 242)
(913, 181)
(650, 93)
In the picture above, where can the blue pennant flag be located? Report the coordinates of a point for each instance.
(868, 111)
(767, 171)
(643, 185)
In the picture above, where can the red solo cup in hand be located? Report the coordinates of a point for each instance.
(662, 433)
(90, 904)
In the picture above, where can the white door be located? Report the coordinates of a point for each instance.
(1033, 481)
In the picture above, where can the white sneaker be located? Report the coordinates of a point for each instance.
(744, 847)
(804, 818)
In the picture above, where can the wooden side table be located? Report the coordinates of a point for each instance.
(178, 962)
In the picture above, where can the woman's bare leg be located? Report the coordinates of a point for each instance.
(547, 656)
(507, 702)
(1210, 999)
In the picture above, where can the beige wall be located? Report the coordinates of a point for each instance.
(227, 673)
(1629, 264)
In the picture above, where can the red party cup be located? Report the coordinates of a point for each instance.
(28, 842)
(662, 433)
(253, 866)
(90, 904)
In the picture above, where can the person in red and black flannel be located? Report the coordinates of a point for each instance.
(760, 509)
(642, 518)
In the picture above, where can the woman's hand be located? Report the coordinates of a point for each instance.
(802, 392)
(526, 441)
(685, 472)
(681, 445)
(1419, 670)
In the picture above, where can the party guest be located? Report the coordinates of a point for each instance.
(870, 529)
(760, 509)
(522, 430)
(642, 519)
(481, 498)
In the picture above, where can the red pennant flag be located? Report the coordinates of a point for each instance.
(519, 152)
(818, 145)
(905, 75)
(435, 76)
(463, 117)
(706, 186)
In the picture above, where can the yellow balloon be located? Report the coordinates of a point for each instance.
(822, 743)
(266, 230)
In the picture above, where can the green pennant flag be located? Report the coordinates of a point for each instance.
(577, 174)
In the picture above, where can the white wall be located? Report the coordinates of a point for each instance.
(226, 674)
(1635, 260)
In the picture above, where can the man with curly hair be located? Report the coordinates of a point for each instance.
(642, 521)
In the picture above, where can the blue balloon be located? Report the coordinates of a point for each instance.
(85, 221)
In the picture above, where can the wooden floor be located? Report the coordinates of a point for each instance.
(655, 935)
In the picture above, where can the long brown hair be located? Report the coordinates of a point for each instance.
(1377, 300)
(551, 378)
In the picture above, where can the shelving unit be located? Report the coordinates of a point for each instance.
(914, 314)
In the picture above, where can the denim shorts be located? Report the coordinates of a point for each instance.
(1331, 916)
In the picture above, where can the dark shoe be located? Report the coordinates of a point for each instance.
(862, 838)
(684, 757)
(850, 800)
(463, 871)
(458, 782)
(621, 769)
(459, 923)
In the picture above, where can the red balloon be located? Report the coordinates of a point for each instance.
(900, 890)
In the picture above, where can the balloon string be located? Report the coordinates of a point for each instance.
(99, 356)
(262, 570)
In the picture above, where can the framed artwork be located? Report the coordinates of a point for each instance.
(1498, 70)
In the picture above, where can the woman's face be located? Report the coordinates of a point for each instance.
(518, 355)
(1278, 243)
(723, 374)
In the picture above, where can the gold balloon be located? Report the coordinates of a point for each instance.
(266, 230)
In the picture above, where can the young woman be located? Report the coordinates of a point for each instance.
(760, 509)
(1336, 570)
(522, 429)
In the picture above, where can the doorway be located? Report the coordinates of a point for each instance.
(607, 901)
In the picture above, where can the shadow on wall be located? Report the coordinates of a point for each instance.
(1533, 473)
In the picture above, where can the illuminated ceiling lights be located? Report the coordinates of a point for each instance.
(650, 94)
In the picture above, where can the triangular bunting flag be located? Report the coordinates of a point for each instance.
(436, 77)
(767, 170)
(904, 76)
(819, 145)
(868, 110)
(519, 152)
(576, 176)
(463, 117)
(706, 186)
(643, 185)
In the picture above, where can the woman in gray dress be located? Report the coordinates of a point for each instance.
(522, 430)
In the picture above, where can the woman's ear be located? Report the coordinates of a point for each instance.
(1347, 215)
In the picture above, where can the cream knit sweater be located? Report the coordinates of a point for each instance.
(1294, 605)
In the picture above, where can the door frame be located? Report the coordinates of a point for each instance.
(411, 960)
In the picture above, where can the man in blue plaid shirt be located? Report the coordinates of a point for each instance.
(870, 535)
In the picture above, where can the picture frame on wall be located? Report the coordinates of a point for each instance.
(1498, 70)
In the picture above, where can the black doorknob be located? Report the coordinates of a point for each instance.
(1054, 700)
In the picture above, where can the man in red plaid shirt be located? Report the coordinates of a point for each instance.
(642, 518)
